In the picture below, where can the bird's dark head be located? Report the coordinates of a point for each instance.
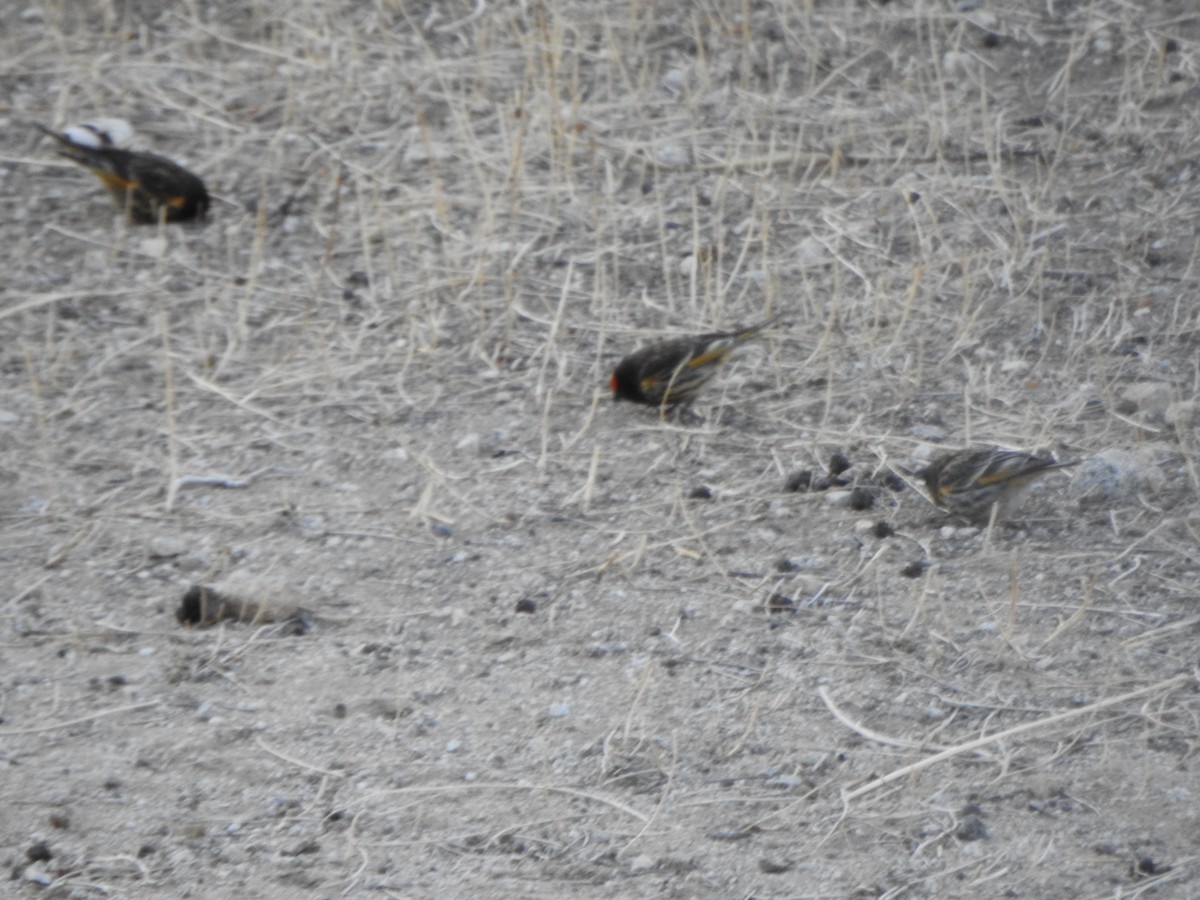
(928, 475)
(624, 383)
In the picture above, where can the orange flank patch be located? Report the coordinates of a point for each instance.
(112, 180)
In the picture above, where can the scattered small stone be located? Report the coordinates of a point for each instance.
(931, 433)
(732, 833)
(774, 866)
(778, 603)
(39, 851)
(641, 863)
(302, 849)
(839, 463)
(442, 530)
(838, 499)
(60, 819)
(1183, 414)
(1147, 865)
(882, 530)
(799, 482)
(674, 155)
(165, 547)
(861, 498)
(1115, 475)
(339, 710)
(915, 569)
(312, 527)
(700, 493)
(1150, 398)
(971, 828)
(527, 605)
(37, 875)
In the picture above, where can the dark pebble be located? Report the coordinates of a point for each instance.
(526, 605)
(971, 828)
(774, 866)
(1148, 866)
(778, 603)
(862, 498)
(799, 482)
(839, 463)
(39, 852)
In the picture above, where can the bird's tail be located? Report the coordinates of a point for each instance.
(745, 334)
(71, 148)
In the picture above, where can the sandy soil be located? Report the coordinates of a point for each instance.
(549, 644)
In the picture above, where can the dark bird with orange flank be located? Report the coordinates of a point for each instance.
(672, 373)
(969, 483)
(148, 187)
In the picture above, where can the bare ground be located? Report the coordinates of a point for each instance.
(553, 644)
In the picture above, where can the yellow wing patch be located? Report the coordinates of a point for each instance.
(996, 477)
(647, 384)
(712, 355)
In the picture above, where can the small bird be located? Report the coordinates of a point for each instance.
(147, 186)
(671, 373)
(969, 483)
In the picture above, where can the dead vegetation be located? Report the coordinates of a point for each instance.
(561, 644)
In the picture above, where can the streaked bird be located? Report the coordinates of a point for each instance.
(147, 186)
(969, 483)
(671, 373)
